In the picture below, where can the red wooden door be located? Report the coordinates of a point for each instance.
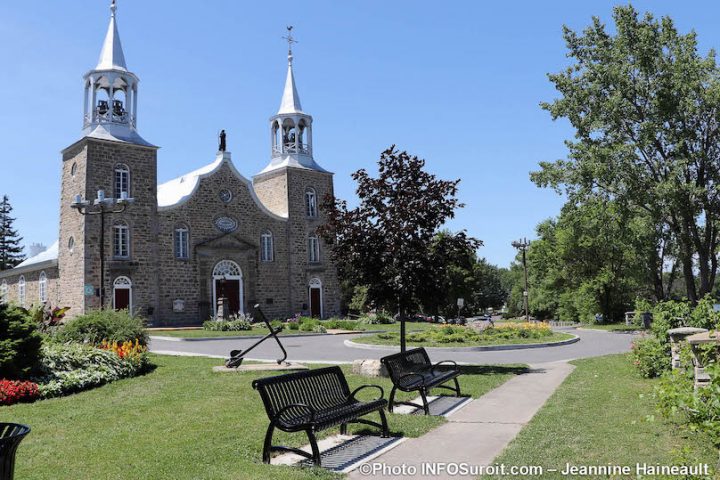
(315, 309)
(231, 289)
(122, 298)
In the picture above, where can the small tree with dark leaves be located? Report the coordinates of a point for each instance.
(10, 247)
(386, 241)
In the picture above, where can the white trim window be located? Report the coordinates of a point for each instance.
(122, 181)
(182, 242)
(310, 203)
(266, 246)
(3, 292)
(313, 249)
(123, 283)
(121, 241)
(21, 290)
(43, 287)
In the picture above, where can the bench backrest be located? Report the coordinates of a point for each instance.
(319, 388)
(409, 361)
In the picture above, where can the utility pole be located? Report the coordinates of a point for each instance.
(522, 245)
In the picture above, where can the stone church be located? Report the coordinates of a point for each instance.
(169, 251)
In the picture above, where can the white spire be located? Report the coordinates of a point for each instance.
(290, 102)
(111, 56)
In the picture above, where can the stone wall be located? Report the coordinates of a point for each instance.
(190, 279)
(32, 288)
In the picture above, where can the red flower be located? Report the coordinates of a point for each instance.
(14, 391)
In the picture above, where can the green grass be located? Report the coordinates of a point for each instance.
(180, 421)
(613, 327)
(378, 340)
(602, 414)
(262, 330)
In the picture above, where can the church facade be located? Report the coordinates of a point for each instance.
(169, 251)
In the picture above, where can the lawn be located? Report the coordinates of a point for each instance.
(180, 421)
(613, 327)
(261, 329)
(380, 339)
(602, 414)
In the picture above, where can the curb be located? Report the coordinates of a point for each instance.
(615, 332)
(479, 348)
(255, 337)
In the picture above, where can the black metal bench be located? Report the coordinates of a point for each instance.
(311, 401)
(412, 371)
(11, 434)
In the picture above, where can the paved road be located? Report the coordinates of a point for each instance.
(331, 349)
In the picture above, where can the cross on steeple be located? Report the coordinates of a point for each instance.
(290, 41)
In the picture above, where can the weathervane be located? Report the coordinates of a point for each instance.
(290, 41)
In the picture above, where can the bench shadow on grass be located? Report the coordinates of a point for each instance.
(493, 369)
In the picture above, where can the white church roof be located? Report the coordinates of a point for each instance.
(111, 55)
(44, 259)
(179, 190)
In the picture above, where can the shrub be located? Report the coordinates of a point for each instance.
(293, 325)
(651, 356)
(227, 325)
(19, 343)
(307, 324)
(699, 409)
(12, 391)
(379, 318)
(319, 329)
(71, 367)
(110, 325)
(342, 324)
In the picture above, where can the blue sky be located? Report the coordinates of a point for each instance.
(457, 83)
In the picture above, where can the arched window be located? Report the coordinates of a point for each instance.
(121, 241)
(42, 287)
(227, 268)
(122, 181)
(3, 292)
(21, 290)
(310, 203)
(313, 249)
(182, 242)
(71, 244)
(266, 246)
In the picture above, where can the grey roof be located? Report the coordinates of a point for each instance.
(111, 55)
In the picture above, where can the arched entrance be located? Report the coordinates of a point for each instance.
(227, 279)
(315, 298)
(122, 294)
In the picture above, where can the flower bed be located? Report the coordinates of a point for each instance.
(15, 391)
(449, 335)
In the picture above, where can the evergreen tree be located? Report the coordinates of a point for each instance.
(10, 247)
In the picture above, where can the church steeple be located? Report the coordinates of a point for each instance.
(110, 101)
(291, 128)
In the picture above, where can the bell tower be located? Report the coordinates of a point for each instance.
(294, 185)
(109, 162)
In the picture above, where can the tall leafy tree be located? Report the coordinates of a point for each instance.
(386, 242)
(645, 106)
(10, 247)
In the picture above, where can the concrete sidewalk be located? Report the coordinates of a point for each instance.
(479, 432)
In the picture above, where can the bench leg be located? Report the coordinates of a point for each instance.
(391, 403)
(457, 387)
(268, 444)
(426, 407)
(383, 420)
(314, 446)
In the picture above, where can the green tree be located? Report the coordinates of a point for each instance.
(386, 242)
(643, 103)
(10, 247)
(490, 290)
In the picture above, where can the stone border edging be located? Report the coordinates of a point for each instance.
(477, 348)
(616, 332)
(255, 337)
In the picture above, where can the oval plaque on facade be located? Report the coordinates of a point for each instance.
(225, 195)
(226, 224)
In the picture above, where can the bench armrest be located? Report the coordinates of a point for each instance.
(310, 410)
(422, 379)
(447, 362)
(354, 392)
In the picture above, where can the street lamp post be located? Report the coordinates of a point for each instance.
(102, 205)
(522, 246)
